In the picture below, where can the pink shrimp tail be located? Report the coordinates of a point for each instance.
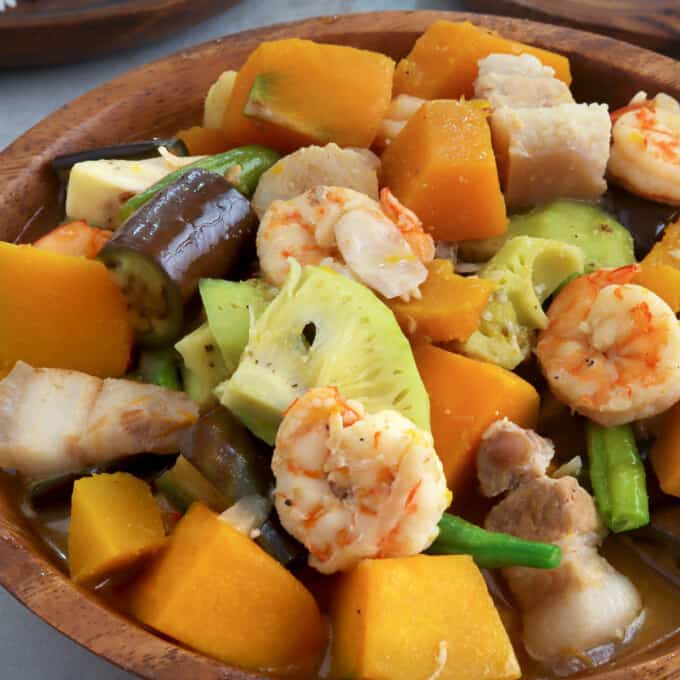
(618, 276)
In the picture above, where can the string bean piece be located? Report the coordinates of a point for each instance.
(492, 549)
(617, 476)
(159, 367)
(253, 161)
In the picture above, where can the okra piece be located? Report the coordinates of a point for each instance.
(617, 476)
(252, 161)
(492, 549)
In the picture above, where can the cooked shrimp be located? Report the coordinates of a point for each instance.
(74, 238)
(382, 245)
(314, 166)
(611, 350)
(645, 155)
(351, 485)
(410, 226)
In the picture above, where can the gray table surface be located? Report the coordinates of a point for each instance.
(29, 648)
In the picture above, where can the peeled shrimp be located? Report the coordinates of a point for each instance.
(313, 166)
(381, 244)
(645, 155)
(611, 350)
(351, 485)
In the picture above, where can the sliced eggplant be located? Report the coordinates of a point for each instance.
(196, 228)
(278, 542)
(220, 447)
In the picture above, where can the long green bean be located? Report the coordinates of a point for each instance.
(617, 476)
(252, 160)
(492, 549)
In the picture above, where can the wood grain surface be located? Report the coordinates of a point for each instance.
(49, 32)
(654, 24)
(157, 99)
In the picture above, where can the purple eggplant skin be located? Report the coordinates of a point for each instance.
(198, 227)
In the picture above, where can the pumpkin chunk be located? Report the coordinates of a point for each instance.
(416, 618)
(665, 453)
(466, 396)
(443, 61)
(442, 166)
(203, 141)
(293, 93)
(660, 269)
(449, 308)
(61, 311)
(215, 590)
(115, 523)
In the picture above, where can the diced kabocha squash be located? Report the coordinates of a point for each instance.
(443, 61)
(203, 141)
(660, 269)
(665, 453)
(115, 523)
(441, 166)
(61, 311)
(416, 618)
(216, 591)
(449, 308)
(292, 93)
(466, 396)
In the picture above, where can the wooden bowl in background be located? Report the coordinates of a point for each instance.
(158, 99)
(53, 32)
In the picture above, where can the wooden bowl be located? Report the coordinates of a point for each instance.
(158, 99)
(53, 32)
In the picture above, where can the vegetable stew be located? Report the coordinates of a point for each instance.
(369, 375)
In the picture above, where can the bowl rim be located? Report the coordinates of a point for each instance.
(29, 575)
(99, 11)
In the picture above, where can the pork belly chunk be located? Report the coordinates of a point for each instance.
(519, 81)
(509, 456)
(551, 152)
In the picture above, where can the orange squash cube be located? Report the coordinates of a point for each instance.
(466, 396)
(660, 269)
(61, 311)
(308, 93)
(449, 308)
(115, 523)
(443, 62)
(442, 166)
(215, 590)
(203, 141)
(416, 618)
(665, 454)
(662, 279)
